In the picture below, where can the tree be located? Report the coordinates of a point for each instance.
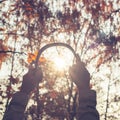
(91, 27)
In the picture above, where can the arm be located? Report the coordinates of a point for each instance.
(17, 106)
(87, 97)
(87, 106)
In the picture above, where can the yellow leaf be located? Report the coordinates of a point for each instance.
(42, 60)
(32, 57)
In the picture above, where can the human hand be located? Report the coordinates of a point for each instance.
(80, 75)
(31, 79)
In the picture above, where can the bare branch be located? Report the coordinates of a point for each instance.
(115, 11)
(12, 52)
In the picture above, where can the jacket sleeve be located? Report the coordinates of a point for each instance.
(16, 107)
(87, 106)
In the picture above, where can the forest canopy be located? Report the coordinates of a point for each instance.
(90, 27)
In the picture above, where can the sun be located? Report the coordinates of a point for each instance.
(60, 63)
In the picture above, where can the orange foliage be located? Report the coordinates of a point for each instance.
(2, 29)
(2, 54)
(53, 94)
(32, 57)
(28, 7)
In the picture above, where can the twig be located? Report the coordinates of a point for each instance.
(107, 101)
(12, 52)
(115, 11)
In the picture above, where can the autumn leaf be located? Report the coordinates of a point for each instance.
(2, 29)
(9, 91)
(53, 94)
(42, 59)
(5, 15)
(32, 57)
(103, 6)
(13, 80)
(29, 9)
(3, 55)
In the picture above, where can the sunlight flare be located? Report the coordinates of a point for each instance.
(60, 63)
